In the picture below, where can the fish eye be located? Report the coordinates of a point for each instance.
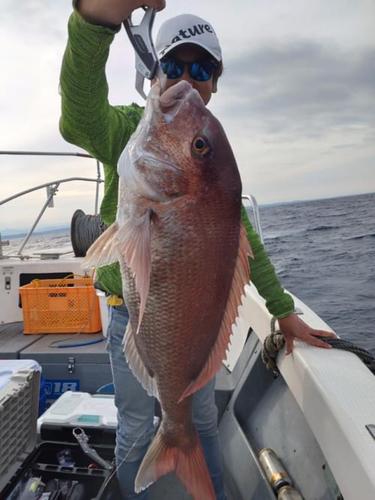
(200, 145)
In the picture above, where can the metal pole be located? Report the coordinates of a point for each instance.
(255, 207)
(52, 194)
(43, 153)
(59, 181)
(2, 243)
(97, 187)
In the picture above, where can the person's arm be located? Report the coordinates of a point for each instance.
(87, 119)
(263, 275)
(278, 302)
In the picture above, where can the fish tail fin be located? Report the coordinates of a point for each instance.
(188, 465)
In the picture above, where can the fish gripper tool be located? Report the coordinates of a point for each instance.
(146, 60)
(83, 440)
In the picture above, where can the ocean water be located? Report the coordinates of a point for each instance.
(323, 252)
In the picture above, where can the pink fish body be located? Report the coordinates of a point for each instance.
(184, 261)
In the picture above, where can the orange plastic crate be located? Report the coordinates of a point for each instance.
(60, 306)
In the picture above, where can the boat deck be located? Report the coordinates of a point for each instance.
(13, 341)
(316, 412)
(91, 367)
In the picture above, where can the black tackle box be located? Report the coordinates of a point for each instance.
(56, 469)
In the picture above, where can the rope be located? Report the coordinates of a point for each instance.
(272, 345)
(367, 358)
(276, 341)
(85, 229)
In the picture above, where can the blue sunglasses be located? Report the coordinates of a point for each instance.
(200, 71)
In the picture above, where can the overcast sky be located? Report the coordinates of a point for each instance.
(297, 98)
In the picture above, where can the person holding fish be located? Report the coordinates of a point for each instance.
(175, 257)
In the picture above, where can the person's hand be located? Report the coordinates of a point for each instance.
(113, 12)
(293, 327)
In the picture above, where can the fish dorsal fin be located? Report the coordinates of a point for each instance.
(218, 352)
(104, 250)
(136, 364)
(134, 238)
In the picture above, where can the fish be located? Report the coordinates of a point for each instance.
(184, 260)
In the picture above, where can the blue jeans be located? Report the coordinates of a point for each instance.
(136, 410)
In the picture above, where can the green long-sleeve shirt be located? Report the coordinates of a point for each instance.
(90, 122)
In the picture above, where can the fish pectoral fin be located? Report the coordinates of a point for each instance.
(136, 363)
(104, 250)
(218, 353)
(135, 243)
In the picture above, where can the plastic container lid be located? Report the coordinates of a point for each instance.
(82, 409)
(8, 367)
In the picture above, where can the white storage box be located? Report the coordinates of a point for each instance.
(81, 409)
(19, 400)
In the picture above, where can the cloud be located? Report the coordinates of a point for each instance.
(35, 17)
(300, 117)
(301, 88)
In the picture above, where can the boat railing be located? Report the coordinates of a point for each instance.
(254, 205)
(52, 189)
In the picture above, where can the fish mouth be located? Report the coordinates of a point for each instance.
(172, 100)
(176, 92)
(169, 102)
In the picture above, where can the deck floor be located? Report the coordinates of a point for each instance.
(13, 340)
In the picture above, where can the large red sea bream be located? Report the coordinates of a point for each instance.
(184, 261)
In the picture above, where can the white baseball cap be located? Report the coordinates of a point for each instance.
(187, 28)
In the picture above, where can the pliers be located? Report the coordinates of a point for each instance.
(146, 60)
